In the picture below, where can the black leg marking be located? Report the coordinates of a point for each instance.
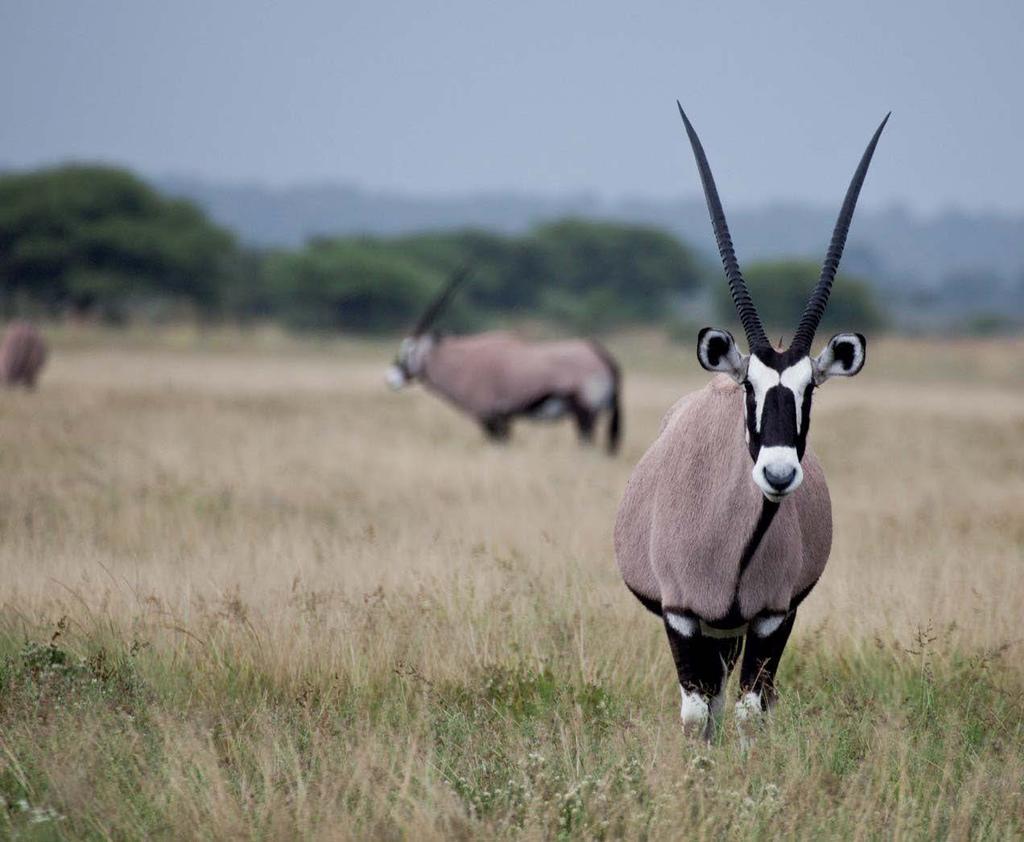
(761, 661)
(699, 660)
(497, 429)
(584, 421)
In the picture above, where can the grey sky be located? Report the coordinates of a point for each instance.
(544, 97)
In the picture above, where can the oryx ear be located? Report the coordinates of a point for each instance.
(843, 357)
(717, 351)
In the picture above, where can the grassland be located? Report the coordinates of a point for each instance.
(247, 593)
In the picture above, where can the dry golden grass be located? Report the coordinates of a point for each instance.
(248, 592)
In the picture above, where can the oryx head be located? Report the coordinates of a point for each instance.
(413, 352)
(779, 383)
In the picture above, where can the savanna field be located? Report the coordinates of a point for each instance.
(246, 592)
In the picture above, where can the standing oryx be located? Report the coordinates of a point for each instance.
(716, 553)
(496, 377)
(23, 354)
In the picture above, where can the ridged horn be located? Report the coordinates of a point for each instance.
(756, 336)
(439, 303)
(816, 304)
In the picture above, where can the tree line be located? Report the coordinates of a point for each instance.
(98, 242)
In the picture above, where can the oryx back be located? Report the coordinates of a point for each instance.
(496, 373)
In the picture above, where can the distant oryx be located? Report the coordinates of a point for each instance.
(716, 552)
(22, 355)
(496, 377)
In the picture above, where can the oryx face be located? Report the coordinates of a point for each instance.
(779, 386)
(411, 359)
(415, 348)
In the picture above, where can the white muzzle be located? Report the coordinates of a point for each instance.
(395, 377)
(777, 472)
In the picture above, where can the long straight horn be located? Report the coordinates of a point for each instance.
(756, 336)
(439, 303)
(816, 304)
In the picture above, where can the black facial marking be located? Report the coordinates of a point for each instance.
(805, 420)
(778, 413)
(753, 436)
(778, 418)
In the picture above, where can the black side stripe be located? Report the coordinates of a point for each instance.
(768, 511)
(652, 605)
(734, 617)
(800, 597)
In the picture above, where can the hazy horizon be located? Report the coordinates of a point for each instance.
(471, 99)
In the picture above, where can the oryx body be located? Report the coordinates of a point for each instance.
(690, 510)
(497, 377)
(726, 522)
(23, 354)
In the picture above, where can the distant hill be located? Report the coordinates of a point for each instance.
(896, 242)
(931, 266)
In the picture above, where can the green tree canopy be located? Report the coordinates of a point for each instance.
(780, 289)
(91, 236)
(507, 271)
(590, 275)
(626, 272)
(349, 285)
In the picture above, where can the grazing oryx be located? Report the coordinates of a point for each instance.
(496, 377)
(717, 548)
(22, 355)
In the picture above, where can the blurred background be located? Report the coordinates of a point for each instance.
(324, 167)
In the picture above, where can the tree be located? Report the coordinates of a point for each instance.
(508, 272)
(780, 289)
(93, 237)
(349, 285)
(619, 272)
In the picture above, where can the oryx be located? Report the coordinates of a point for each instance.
(718, 547)
(23, 354)
(496, 377)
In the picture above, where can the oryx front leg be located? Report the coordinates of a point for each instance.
(703, 665)
(766, 639)
(497, 428)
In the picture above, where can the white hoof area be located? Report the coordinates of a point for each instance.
(748, 718)
(695, 714)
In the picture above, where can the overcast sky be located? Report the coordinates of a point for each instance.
(545, 97)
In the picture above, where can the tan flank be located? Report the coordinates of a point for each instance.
(494, 374)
